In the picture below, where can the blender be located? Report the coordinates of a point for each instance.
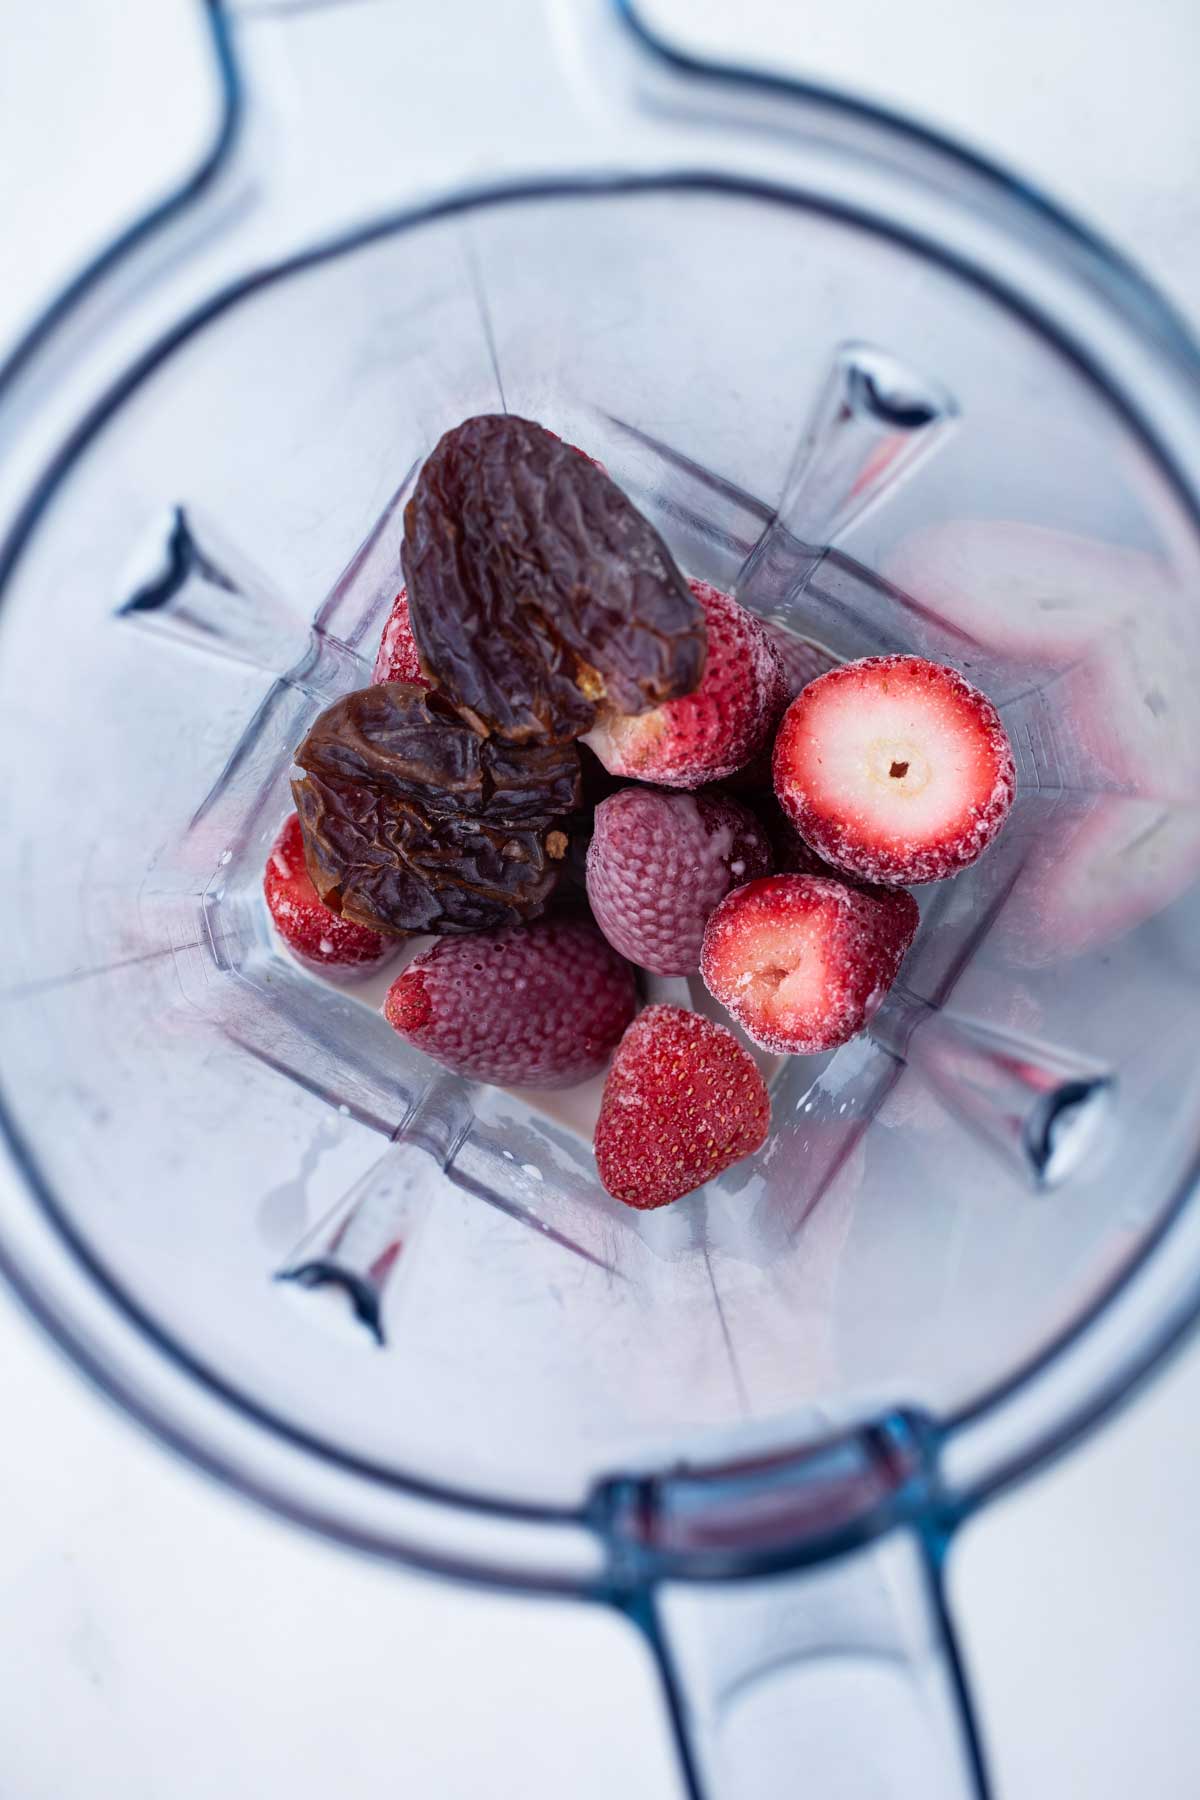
(893, 401)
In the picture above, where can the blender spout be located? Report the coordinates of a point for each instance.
(358, 111)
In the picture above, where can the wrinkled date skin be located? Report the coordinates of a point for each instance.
(536, 590)
(408, 743)
(412, 822)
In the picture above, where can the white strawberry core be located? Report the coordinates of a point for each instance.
(899, 763)
(898, 766)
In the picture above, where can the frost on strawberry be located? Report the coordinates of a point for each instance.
(802, 962)
(895, 770)
(307, 927)
(683, 1101)
(397, 659)
(721, 725)
(658, 864)
(801, 661)
(540, 1005)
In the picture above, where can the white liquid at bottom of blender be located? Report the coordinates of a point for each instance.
(576, 1107)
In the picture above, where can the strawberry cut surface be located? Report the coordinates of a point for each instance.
(802, 962)
(894, 769)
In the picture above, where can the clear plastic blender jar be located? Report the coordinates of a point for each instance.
(891, 400)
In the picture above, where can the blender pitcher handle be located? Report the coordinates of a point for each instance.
(841, 1680)
(800, 1652)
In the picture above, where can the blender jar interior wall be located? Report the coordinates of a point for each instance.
(197, 1103)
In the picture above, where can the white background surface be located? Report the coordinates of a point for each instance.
(161, 1641)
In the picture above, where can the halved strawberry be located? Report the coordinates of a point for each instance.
(802, 661)
(720, 726)
(802, 962)
(894, 769)
(682, 1102)
(398, 659)
(307, 927)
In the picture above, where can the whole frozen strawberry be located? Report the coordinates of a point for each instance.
(397, 659)
(720, 726)
(682, 1102)
(306, 926)
(895, 769)
(802, 962)
(659, 862)
(540, 1005)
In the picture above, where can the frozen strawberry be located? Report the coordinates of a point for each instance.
(802, 662)
(307, 927)
(802, 659)
(682, 1102)
(398, 659)
(894, 769)
(659, 862)
(540, 1005)
(802, 962)
(717, 728)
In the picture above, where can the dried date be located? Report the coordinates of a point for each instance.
(413, 823)
(387, 863)
(405, 742)
(537, 590)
